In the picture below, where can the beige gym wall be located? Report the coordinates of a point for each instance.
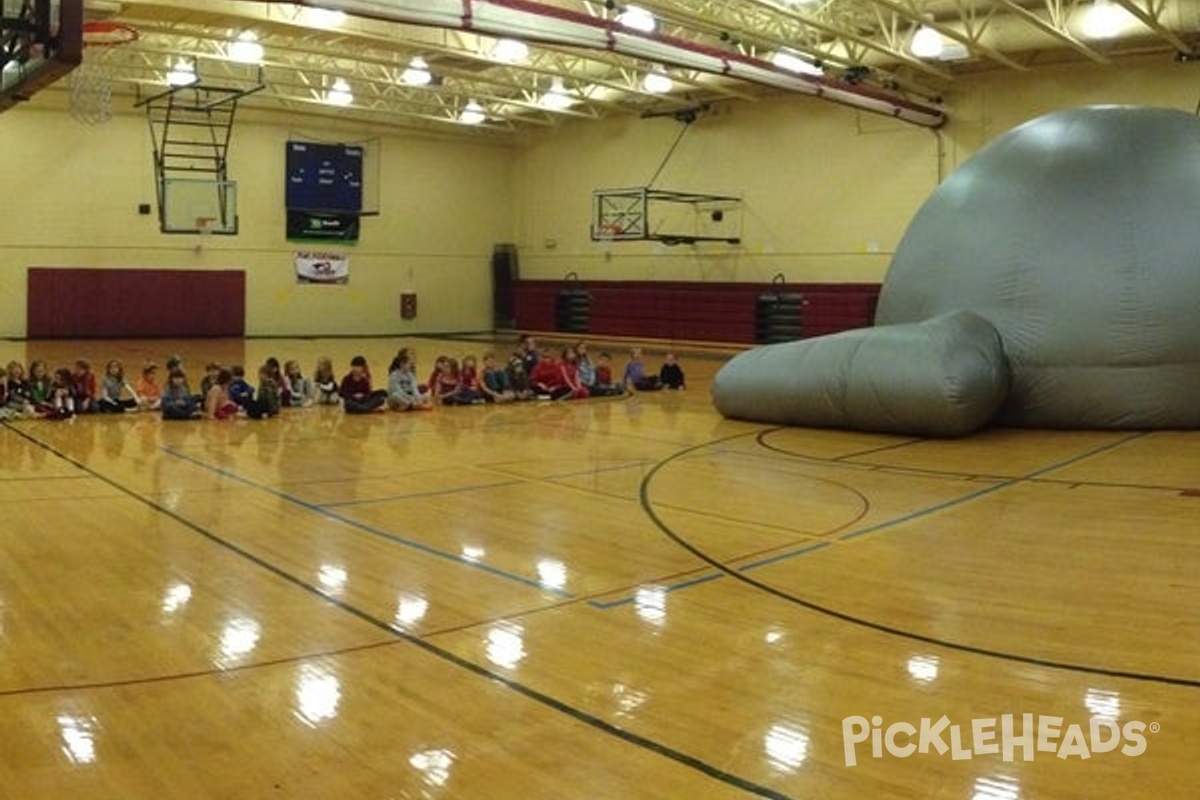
(72, 193)
(824, 187)
(827, 191)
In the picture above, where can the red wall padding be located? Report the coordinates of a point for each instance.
(69, 303)
(714, 312)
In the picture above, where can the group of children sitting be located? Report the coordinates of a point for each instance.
(527, 374)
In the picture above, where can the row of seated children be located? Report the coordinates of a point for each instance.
(529, 373)
(69, 390)
(576, 375)
(225, 392)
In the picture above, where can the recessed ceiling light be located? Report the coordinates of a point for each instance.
(418, 73)
(510, 50)
(556, 97)
(1103, 20)
(246, 49)
(637, 18)
(926, 43)
(183, 74)
(472, 113)
(657, 81)
(339, 93)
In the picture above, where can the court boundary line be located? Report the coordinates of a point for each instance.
(891, 630)
(370, 529)
(151, 680)
(541, 698)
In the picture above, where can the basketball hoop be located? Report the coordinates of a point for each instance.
(609, 231)
(91, 83)
(106, 33)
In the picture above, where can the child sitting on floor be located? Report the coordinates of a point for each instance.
(269, 399)
(14, 393)
(671, 374)
(494, 383)
(211, 370)
(604, 385)
(547, 380)
(62, 393)
(570, 373)
(403, 392)
(468, 392)
(84, 387)
(41, 389)
(275, 372)
(178, 402)
(116, 395)
(147, 389)
(240, 390)
(357, 395)
(325, 385)
(300, 388)
(635, 377)
(217, 404)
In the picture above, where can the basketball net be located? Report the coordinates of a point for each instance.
(205, 227)
(91, 83)
(91, 93)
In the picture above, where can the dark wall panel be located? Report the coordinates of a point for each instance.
(77, 303)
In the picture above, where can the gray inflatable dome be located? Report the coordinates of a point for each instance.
(1077, 237)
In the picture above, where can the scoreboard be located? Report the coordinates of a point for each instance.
(325, 178)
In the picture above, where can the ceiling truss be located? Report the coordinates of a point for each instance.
(857, 42)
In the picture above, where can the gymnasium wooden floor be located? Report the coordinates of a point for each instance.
(615, 599)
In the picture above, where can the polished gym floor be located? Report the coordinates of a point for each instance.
(623, 598)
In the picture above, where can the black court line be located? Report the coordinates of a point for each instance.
(441, 653)
(648, 508)
(30, 478)
(150, 680)
(363, 527)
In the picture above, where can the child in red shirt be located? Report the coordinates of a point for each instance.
(84, 387)
(570, 373)
(357, 395)
(547, 379)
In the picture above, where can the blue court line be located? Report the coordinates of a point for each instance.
(925, 512)
(431, 493)
(415, 545)
(712, 576)
(812, 548)
(606, 605)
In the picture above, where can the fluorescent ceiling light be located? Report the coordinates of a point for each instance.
(510, 50)
(556, 97)
(637, 19)
(246, 49)
(418, 73)
(794, 63)
(184, 74)
(472, 113)
(657, 81)
(339, 93)
(926, 43)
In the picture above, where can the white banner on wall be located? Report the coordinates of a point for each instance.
(322, 268)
